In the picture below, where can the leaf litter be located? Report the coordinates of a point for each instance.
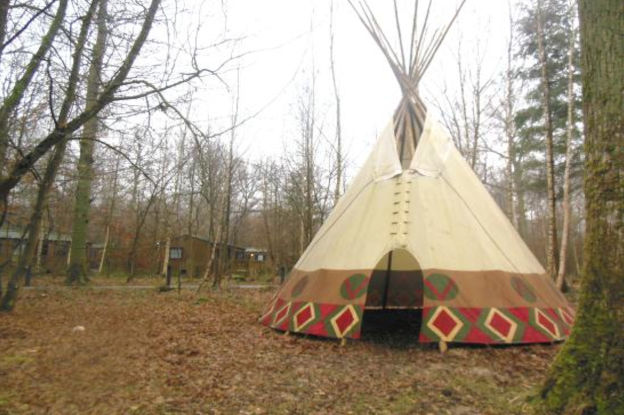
(148, 352)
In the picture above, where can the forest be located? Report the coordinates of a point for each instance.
(203, 145)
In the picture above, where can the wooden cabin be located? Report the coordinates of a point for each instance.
(54, 250)
(189, 255)
(257, 261)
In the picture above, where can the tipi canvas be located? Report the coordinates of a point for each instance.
(417, 229)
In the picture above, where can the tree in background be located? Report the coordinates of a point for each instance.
(77, 270)
(587, 375)
(544, 31)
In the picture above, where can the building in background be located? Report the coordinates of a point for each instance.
(54, 250)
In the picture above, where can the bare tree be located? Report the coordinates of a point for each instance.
(109, 215)
(60, 130)
(551, 251)
(339, 155)
(19, 88)
(465, 115)
(567, 211)
(230, 167)
(77, 270)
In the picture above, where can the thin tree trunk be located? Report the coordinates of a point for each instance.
(40, 246)
(228, 191)
(339, 161)
(104, 250)
(34, 226)
(510, 130)
(137, 235)
(563, 253)
(165, 264)
(520, 201)
(586, 377)
(208, 271)
(552, 252)
(78, 268)
(109, 216)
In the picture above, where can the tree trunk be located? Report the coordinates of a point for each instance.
(565, 231)
(4, 14)
(521, 215)
(225, 246)
(339, 161)
(216, 281)
(551, 250)
(104, 250)
(165, 264)
(77, 271)
(510, 128)
(586, 377)
(109, 217)
(34, 226)
(40, 246)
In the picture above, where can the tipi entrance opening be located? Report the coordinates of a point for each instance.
(395, 296)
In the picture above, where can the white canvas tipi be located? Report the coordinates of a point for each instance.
(417, 229)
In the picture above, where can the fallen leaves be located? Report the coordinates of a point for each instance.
(147, 352)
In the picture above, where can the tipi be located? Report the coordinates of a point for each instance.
(417, 229)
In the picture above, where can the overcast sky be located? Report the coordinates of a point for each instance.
(289, 37)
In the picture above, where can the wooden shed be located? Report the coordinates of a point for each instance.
(54, 250)
(189, 255)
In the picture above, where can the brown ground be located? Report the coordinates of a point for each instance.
(147, 352)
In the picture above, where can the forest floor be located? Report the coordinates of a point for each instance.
(150, 352)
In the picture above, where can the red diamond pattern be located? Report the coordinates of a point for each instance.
(547, 324)
(501, 325)
(303, 316)
(344, 321)
(281, 314)
(445, 323)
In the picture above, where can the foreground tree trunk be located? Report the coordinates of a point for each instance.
(588, 375)
(551, 251)
(77, 270)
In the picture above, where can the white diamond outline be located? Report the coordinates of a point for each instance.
(281, 320)
(355, 321)
(537, 312)
(265, 315)
(453, 333)
(488, 324)
(566, 316)
(312, 317)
